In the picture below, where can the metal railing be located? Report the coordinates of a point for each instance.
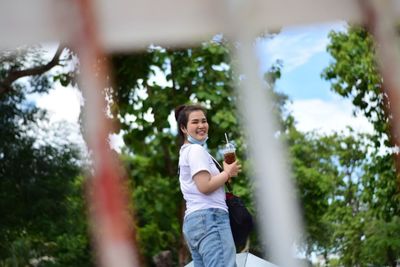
(95, 28)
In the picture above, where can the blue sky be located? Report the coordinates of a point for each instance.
(304, 56)
(304, 82)
(303, 53)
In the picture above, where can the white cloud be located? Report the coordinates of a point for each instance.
(63, 108)
(62, 103)
(327, 116)
(294, 50)
(295, 45)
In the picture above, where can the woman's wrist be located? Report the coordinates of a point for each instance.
(227, 175)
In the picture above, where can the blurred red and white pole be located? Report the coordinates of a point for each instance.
(111, 222)
(380, 19)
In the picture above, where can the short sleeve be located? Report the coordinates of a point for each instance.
(198, 159)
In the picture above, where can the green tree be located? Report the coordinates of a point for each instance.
(347, 208)
(315, 174)
(40, 201)
(332, 172)
(354, 75)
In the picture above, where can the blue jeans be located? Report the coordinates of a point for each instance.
(209, 237)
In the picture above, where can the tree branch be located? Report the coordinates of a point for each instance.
(5, 85)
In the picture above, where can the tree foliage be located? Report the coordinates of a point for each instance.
(40, 187)
(346, 182)
(354, 75)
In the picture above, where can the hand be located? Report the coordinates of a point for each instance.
(232, 169)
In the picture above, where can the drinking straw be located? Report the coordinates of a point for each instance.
(226, 137)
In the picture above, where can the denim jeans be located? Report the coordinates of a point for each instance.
(209, 238)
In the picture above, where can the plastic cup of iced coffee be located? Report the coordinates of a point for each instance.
(229, 153)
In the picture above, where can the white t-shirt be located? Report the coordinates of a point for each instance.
(194, 158)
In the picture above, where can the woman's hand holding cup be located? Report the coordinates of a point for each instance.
(232, 169)
(231, 165)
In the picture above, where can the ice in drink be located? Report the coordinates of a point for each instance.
(229, 153)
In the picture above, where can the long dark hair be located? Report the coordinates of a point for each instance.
(182, 116)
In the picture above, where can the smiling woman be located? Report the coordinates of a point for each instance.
(206, 226)
(197, 128)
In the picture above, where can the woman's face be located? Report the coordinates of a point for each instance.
(197, 125)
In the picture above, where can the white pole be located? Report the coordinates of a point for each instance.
(279, 217)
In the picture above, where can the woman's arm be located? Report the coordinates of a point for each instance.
(208, 184)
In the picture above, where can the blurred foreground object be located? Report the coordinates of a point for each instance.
(95, 28)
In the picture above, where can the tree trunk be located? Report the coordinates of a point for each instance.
(326, 257)
(391, 258)
(163, 259)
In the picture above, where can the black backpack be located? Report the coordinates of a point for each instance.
(240, 219)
